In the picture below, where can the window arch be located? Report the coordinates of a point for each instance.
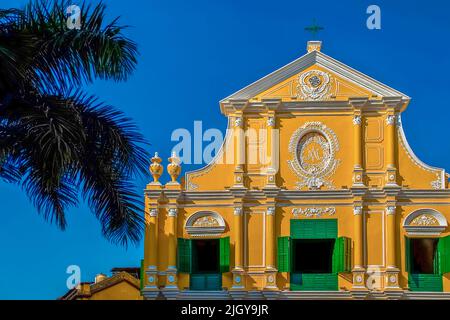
(425, 222)
(205, 224)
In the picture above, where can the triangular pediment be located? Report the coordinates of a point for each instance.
(315, 77)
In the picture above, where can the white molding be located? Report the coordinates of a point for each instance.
(424, 230)
(204, 231)
(405, 144)
(302, 63)
(219, 155)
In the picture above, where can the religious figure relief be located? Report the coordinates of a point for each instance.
(313, 148)
(314, 85)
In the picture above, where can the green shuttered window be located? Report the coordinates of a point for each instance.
(342, 255)
(225, 254)
(184, 255)
(314, 229)
(441, 266)
(284, 254)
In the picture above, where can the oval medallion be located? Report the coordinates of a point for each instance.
(313, 152)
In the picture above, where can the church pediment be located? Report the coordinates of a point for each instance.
(315, 77)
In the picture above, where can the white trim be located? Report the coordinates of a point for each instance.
(424, 230)
(414, 158)
(204, 231)
(305, 61)
(209, 166)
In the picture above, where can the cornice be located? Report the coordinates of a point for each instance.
(283, 194)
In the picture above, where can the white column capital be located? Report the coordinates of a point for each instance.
(271, 211)
(390, 120)
(238, 211)
(238, 122)
(390, 210)
(357, 210)
(173, 212)
(271, 121)
(357, 120)
(153, 212)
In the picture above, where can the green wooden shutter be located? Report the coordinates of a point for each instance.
(348, 254)
(443, 255)
(341, 255)
(314, 229)
(284, 254)
(224, 254)
(314, 282)
(141, 274)
(408, 262)
(425, 282)
(184, 255)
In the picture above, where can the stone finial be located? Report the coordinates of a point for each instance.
(156, 169)
(174, 167)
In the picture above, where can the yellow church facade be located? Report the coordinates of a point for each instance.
(315, 194)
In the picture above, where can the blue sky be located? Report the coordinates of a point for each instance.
(193, 53)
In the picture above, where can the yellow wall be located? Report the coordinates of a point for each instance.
(339, 118)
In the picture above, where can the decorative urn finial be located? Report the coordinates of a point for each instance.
(174, 167)
(156, 169)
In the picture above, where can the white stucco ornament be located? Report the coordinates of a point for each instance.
(314, 85)
(313, 149)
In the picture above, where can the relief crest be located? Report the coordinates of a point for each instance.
(313, 150)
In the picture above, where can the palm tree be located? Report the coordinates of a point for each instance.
(56, 141)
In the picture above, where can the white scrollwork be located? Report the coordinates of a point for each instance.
(424, 220)
(357, 120)
(271, 122)
(313, 148)
(314, 85)
(237, 211)
(313, 211)
(270, 211)
(205, 224)
(437, 184)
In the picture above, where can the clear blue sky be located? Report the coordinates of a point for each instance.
(193, 53)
